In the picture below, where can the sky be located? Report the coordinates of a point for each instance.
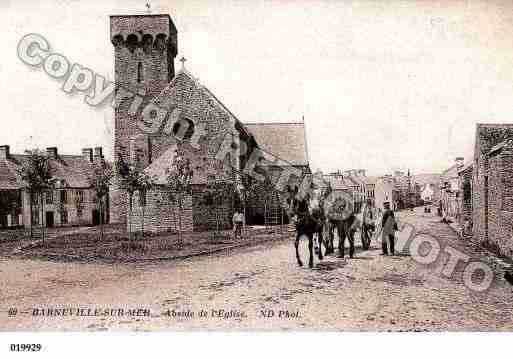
(382, 85)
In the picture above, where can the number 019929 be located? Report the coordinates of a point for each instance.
(25, 347)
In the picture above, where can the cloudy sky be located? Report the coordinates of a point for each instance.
(382, 85)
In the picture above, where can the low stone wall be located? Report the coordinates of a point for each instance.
(160, 213)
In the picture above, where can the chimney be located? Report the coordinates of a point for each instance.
(4, 152)
(361, 173)
(460, 161)
(87, 154)
(98, 153)
(51, 152)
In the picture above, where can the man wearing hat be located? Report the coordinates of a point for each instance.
(389, 226)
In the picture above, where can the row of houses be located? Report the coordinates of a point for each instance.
(478, 195)
(399, 189)
(71, 202)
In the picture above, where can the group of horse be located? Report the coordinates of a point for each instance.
(320, 212)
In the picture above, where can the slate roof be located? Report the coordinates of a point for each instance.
(287, 141)
(74, 170)
(490, 135)
(337, 183)
(370, 179)
(425, 178)
(451, 172)
(157, 170)
(506, 143)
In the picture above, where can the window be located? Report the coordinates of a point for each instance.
(79, 195)
(34, 198)
(183, 129)
(35, 216)
(64, 196)
(49, 197)
(140, 77)
(142, 198)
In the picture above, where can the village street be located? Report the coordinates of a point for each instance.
(370, 292)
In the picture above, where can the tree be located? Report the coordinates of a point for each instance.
(99, 181)
(132, 179)
(145, 184)
(37, 172)
(216, 193)
(179, 178)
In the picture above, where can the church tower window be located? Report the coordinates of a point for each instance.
(140, 76)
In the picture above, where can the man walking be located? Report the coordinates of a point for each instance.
(389, 226)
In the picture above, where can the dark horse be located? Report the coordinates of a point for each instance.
(309, 220)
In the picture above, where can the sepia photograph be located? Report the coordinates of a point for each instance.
(262, 166)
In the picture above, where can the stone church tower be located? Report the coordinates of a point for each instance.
(145, 47)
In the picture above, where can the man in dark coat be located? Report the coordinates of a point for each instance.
(389, 226)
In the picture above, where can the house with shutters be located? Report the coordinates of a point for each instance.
(71, 201)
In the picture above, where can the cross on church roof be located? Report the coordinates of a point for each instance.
(148, 7)
(182, 60)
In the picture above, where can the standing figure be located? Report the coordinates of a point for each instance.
(238, 220)
(389, 226)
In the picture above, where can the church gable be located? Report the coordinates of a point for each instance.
(207, 126)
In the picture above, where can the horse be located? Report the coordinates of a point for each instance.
(340, 216)
(308, 214)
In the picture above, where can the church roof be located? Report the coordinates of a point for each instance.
(287, 141)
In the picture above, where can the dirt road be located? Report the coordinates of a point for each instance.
(255, 288)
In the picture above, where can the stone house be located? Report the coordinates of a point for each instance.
(491, 187)
(427, 193)
(284, 147)
(370, 185)
(450, 195)
(465, 188)
(356, 181)
(71, 202)
(499, 223)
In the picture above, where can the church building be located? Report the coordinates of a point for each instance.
(161, 114)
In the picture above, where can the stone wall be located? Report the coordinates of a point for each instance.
(160, 213)
(465, 207)
(500, 211)
(205, 215)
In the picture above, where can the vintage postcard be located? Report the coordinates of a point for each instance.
(256, 166)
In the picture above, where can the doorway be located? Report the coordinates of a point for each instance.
(49, 219)
(96, 217)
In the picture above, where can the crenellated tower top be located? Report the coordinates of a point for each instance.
(144, 30)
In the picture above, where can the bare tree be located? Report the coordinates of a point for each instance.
(132, 179)
(179, 178)
(216, 195)
(99, 181)
(37, 173)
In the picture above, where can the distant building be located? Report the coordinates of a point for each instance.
(71, 202)
(386, 191)
(450, 189)
(427, 193)
(370, 185)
